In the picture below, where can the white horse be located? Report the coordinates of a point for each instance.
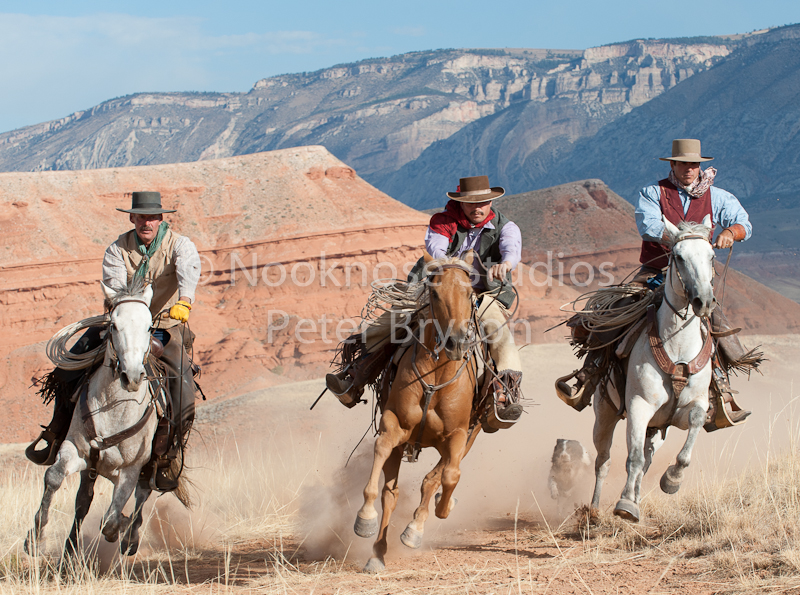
(116, 404)
(681, 336)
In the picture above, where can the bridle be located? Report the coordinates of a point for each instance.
(676, 269)
(113, 358)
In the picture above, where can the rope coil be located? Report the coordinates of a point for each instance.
(61, 357)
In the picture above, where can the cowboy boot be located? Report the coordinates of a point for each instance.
(342, 385)
(507, 395)
(53, 435)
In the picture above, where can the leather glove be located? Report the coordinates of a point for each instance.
(180, 311)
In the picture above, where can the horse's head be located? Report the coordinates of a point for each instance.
(692, 264)
(450, 284)
(130, 322)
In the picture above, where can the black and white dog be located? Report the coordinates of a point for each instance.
(571, 466)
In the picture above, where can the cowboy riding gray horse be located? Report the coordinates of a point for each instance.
(170, 264)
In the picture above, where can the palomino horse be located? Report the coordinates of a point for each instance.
(430, 404)
(679, 341)
(118, 403)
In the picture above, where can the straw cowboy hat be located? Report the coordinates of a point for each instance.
(687, 150)
(475, 189)
(146, 203)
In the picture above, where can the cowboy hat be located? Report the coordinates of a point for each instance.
(146, 203)
(475, 189)
(686, 150)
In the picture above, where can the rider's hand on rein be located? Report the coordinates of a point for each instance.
(180, 311)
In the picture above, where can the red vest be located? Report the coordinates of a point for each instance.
(656, 255)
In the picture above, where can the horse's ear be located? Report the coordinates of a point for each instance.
(108, 293)
(707, 222)
(427, 257)
(147, 294)
(672, 231)
(469, 257)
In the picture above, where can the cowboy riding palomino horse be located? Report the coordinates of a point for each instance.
(112, 428)
(432, 403)
(668, 372)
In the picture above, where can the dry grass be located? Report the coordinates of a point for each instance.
(745, 528)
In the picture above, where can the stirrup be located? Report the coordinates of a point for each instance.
(564, 392)
(44, 456)
(342, 391)
(724, 418)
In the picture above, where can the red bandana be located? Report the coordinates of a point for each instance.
(447, 222)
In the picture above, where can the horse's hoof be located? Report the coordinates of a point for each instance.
(627, 510)
(128, 549)
(667, 483)
(365, 527)
(444, 514)
(411, 538)
(374, 566)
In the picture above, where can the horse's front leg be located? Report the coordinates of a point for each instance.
(388, 439)
(454, 451)
(391, 470)
(412, 536)
(130, 538)
(673, 476)
(123, 488)
(639, 415)
(68, 461)
(605, 421)
(83, 500)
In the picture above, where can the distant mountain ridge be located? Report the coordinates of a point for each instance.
(376, 115)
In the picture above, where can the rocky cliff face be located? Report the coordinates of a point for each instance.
(376, 115)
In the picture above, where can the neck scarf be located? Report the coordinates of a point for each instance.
(447, 222)
(700, 186)
(148, 251)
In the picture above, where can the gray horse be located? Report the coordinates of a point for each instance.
(118, 402)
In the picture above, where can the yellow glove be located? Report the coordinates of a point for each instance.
(180, 311)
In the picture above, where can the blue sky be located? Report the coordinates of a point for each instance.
(60, 57)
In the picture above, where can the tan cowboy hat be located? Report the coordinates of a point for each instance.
(686, 150)
(146, 203)
(475, 189)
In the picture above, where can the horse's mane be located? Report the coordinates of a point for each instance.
(133, 289)
(687, 228)
(444, 260)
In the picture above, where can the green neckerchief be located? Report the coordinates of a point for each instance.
(147, 253)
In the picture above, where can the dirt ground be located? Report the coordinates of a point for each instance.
(505, 535)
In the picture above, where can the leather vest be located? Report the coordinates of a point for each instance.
(656, 255)
(162, 274)
(488, 250)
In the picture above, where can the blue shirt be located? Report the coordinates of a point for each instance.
(726, 210)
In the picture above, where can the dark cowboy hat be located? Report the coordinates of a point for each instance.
(146, 203)
(686, 150)
(475, 189)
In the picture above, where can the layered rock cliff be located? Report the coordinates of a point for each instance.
(376, 115)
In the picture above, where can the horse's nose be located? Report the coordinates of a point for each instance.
(703, 307)
(130, 384)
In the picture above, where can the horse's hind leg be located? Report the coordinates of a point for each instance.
(673, 476)
(123, 488)
(388, 439)
(652, 443)
(455, 449)
(391, 470)
(412, 536)
(68, 461)
(605, 421)
(83, 500)
(130, 538)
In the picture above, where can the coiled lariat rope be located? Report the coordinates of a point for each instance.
(598, 312)
(57, 346)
